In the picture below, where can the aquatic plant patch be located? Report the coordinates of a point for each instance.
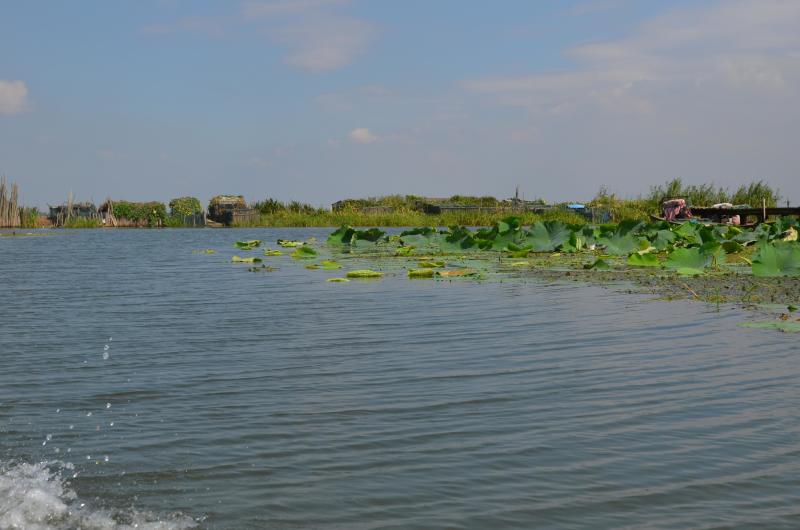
(248, 245)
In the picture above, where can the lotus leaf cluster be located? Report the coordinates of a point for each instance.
(690, 248)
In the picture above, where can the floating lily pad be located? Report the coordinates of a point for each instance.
(270, 252)
(239, 259)
(205, 251)
(248, 245)
(337, 280)
(304, 252)
(364, 273)
(431, 264)
(787, 326)
(330, 265)
(420, 273)
(456, 273)
(286, 243)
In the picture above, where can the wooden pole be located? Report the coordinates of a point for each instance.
(763, 209)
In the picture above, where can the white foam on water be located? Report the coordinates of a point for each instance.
(33, 497)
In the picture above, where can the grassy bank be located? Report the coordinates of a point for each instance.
(405, 210)
(401, 218)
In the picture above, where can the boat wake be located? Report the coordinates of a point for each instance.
(36, 497)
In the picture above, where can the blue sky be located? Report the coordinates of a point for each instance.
(317, 100)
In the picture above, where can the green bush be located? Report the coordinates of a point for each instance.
(185, 206)
(152, 213)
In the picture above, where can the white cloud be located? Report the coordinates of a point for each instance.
(362, 136)
(325, 44)
(13, 97)
(318, 39)
(707, 93)
(732, 45)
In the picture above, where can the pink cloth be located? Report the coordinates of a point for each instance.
(675, 209)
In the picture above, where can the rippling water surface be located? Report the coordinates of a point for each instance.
(145, 386)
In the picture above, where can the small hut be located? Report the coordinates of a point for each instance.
(64, 212)
(231, 209)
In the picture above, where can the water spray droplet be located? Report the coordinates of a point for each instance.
(88, 414)
(108, 405)
(105, 355)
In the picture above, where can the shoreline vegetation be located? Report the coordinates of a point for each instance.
(389, 211)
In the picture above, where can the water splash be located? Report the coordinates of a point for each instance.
(35, 497)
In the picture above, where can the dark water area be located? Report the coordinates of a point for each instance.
(144, 386)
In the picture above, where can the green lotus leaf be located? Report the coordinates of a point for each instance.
(404, 251)
(341, 236)
(693, 260)
(663, 239)
(620, 244)
(337, 280)
(777, 259)
(576, 243)
(643, 260)
(598, 264)
(547, 236)
(732, 247)
(270, 252)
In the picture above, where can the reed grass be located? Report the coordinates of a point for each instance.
(403, 218)
(83, 222)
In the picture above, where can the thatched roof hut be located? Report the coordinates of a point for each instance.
(231, 209)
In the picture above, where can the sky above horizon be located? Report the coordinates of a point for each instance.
(318, 100)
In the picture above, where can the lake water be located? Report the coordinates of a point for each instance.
(144, 386)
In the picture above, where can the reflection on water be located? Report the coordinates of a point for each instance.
(161, 384)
